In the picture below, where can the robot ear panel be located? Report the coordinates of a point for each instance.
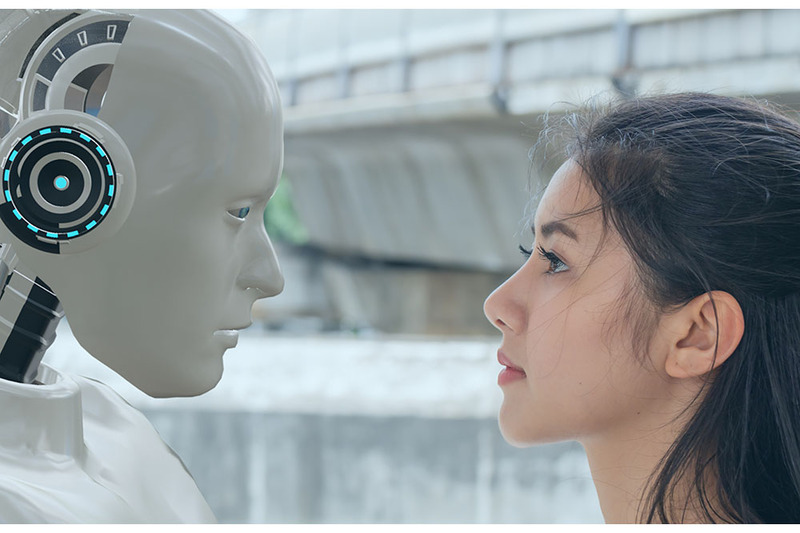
(67, 182)
(68, 179)
(71, 67)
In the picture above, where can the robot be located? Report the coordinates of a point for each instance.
(137, 152)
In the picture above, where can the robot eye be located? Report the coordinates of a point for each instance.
(240, 213)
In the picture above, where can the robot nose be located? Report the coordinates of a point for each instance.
(263, 273)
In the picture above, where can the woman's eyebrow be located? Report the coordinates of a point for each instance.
(556, 226)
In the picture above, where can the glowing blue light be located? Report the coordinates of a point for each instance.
(45, 131)
(85, 138)
(7, 173)
(61, 183)
(16, 214)
(110, 172)
(100, 150)
(72, 234)
(111, 190)
(91, 224)
(104, 210)
(8, 196)
(12, 156)
(33, 228)
(66, 130)
(26, 140)
(52, 235)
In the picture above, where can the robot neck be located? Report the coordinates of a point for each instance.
(29, 314)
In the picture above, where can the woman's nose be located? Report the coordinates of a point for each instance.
(504, 308)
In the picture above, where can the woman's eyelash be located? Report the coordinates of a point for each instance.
(556, 264)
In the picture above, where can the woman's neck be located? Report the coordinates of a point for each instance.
(621, 469)
(622, 462)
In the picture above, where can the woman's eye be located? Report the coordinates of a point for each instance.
(556, 264)
(240, 213)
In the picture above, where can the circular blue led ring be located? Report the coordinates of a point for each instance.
(106, 166)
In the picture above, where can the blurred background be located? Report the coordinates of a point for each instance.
(366, 392)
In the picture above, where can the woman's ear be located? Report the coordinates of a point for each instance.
(703, 334)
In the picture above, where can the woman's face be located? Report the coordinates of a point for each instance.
(570, 371)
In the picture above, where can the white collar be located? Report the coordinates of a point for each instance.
(42, 419)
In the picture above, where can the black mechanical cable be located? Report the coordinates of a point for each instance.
(29, 314)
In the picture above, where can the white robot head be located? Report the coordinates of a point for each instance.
(146, 147)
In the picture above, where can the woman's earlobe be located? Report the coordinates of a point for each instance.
(707, 331)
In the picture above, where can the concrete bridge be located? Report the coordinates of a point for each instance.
(407, 132)
(407, 135)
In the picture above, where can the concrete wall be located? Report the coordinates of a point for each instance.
(411, 300)
(326, 293)
(449, 195)
(357, 429)
(296, 468)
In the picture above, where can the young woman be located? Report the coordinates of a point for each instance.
(657, 319)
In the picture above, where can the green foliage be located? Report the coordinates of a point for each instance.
(281, 219)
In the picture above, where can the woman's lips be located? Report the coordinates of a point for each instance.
(510, 373)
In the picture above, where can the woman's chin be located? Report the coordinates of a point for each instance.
(513, 428)
(522, 428)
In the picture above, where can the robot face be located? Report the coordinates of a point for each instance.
(162, 300)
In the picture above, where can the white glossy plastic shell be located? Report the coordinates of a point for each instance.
(162, 298)
(73, 451)
(125, 189)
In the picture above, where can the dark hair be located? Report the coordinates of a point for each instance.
(705, 192)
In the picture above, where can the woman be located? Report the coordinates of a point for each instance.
(657, 319)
